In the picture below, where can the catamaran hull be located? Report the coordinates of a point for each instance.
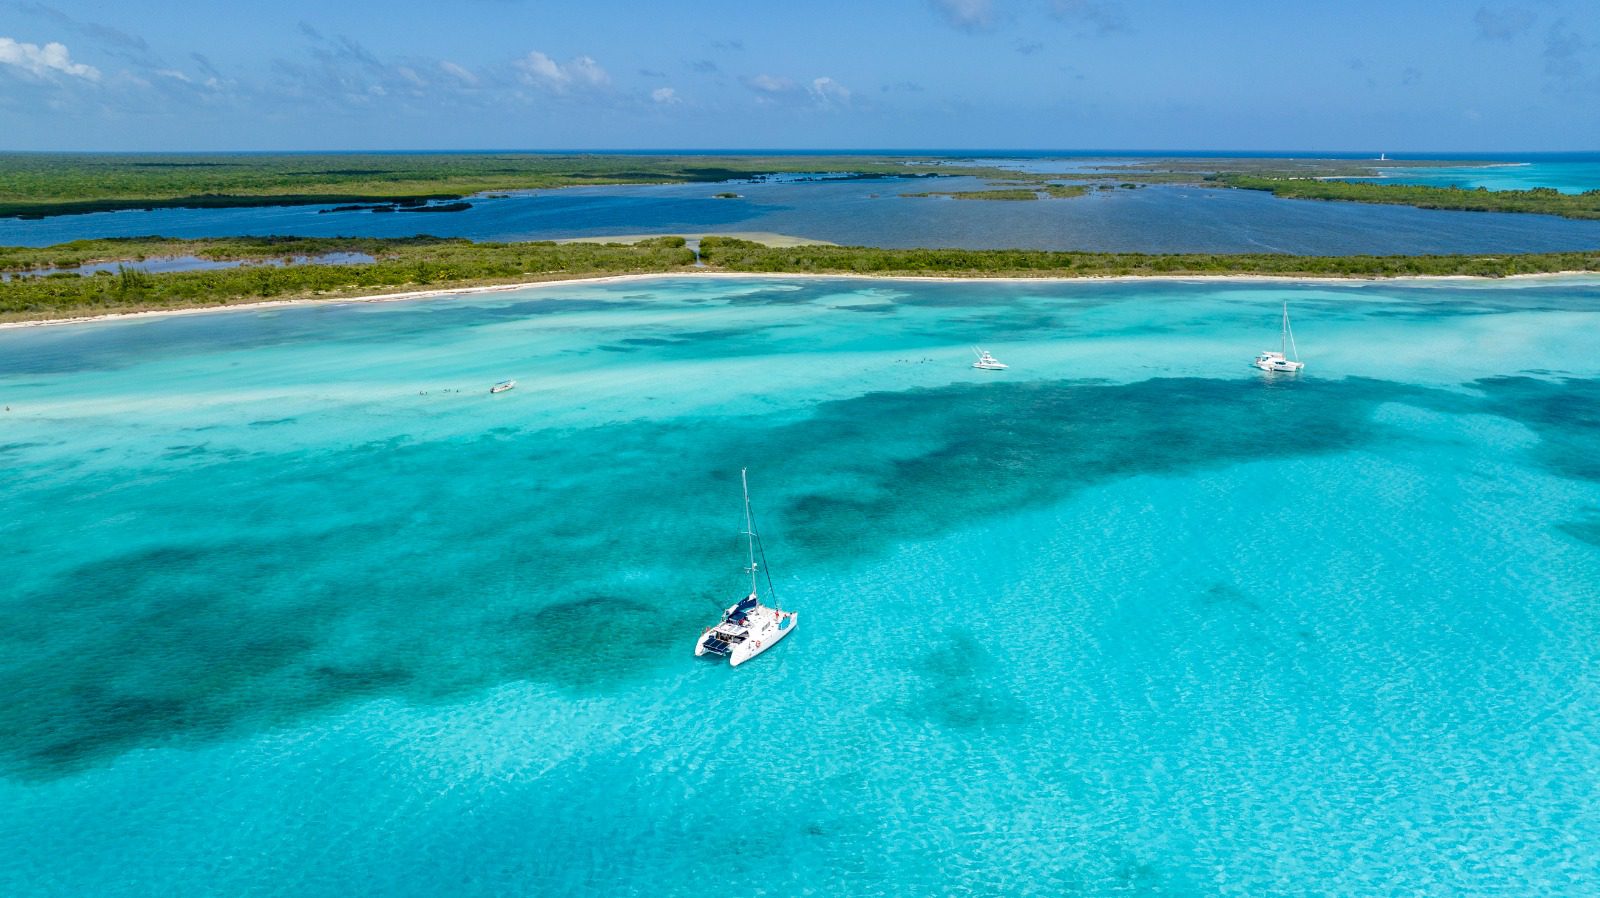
(758, 640)
(758, 643)
(1285, 367)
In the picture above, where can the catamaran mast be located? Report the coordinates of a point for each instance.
(1288, 335)
(749, 529)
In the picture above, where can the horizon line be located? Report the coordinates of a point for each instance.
(998, 152)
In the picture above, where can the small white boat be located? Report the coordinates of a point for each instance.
(748, 627)
(986, 361)
(502, 386)
(1280, 361)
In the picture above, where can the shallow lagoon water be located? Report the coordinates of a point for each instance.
(162, 264)
(296, 608)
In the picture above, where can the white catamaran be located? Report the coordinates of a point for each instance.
(1279, 361)
(748, 627)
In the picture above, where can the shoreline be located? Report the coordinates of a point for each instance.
(409, 295)
(1382, 172)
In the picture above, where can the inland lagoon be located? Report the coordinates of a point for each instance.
(884, 212)
(294, 606)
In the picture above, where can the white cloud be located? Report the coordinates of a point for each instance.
(541, 71)
(460, 73)
(829, 92)
(822, 92)
(40, 62)
(539, 67)
(968, 15)
(771, 84)
(171, 82)
(666, 96)
(585, 70)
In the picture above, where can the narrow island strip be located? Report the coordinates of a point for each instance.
(50, 283)
(1535, 201)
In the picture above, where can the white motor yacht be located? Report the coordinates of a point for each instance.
(1280, 361)
(502, 386)
(986, 361)
(748, 627)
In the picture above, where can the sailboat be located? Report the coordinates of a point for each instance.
(1279, 361)
(748, 627)
(986, 361)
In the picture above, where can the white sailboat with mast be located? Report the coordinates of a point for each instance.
(1280, 360)
(748, 627)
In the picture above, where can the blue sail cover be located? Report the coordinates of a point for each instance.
(743, 608)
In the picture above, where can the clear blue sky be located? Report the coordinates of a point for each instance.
(1400, 75)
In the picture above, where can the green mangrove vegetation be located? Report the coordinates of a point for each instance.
(1541, 200)
(741, 255)
(403, 264)
(434, 263)
(43, 184)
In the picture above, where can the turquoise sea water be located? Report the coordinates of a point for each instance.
(1568, 176)
(292, 606)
